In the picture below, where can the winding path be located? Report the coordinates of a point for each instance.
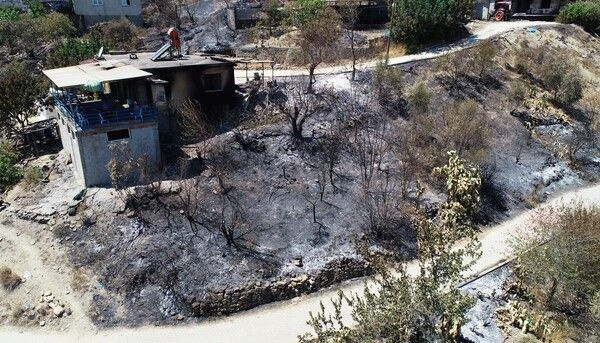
(479, 31)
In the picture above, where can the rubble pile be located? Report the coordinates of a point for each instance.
(49, 308)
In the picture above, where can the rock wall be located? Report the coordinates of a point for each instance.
(230, 300)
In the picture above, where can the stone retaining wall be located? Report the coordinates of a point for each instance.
(231, 300)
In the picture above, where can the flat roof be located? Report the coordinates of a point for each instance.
(103, 71)
(144, 62)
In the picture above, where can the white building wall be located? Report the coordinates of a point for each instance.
(95, 150)
(92, 12)
(90, 149)
(107, 7)
(68, 138)
(483, 9)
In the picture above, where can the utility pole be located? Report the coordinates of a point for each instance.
(389, 34)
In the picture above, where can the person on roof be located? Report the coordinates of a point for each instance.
(175, 49)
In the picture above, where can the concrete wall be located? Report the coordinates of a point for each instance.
(95, 149)
(483, 9)
(183, 86)
(184, 83)
(68, 135)
(90, 153)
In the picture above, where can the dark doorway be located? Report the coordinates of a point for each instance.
(545, 4)
(522, 6)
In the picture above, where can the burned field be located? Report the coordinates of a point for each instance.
(280, 205)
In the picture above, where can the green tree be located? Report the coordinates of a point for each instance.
(119, 34)
(416, 22)
(557, 267)
(27, 32)
(300, 13)
(350, 12)
(73, 51)
(319, 32)
(273, 14)
(20, 91)
(416, 308)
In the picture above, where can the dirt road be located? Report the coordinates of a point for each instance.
(46, 270)
(283, 321)
(479, 31)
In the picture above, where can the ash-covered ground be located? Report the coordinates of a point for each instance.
(481, 325)
(255, 205)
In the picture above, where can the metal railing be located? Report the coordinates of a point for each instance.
(90, 118)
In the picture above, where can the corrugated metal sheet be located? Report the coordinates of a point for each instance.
(101, 71)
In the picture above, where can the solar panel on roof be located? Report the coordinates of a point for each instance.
(160, 52)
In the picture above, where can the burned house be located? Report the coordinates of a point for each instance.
(206, 78)
(130, 99)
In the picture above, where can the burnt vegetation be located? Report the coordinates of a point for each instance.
(306, 176)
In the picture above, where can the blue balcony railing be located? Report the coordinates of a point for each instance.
(86, 116)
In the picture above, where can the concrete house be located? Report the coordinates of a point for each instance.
(90, 12)
(90, 122)
(128, 99)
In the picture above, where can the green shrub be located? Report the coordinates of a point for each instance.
(55, 26)
(570, 89)
(388, 84)
(416, 22)
(73, 51)
(6, 149)
(32, 175)
(558, 258)
(9, 173)
(482, 57)
(583, 13)
(120, 34)
(558, 72)
(519, 91)
(561, 76)
(36, 8)
(9, 13)
(419, 99)
(527, 58)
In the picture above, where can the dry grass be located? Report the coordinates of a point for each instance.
(9, 279)
(79, 280)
